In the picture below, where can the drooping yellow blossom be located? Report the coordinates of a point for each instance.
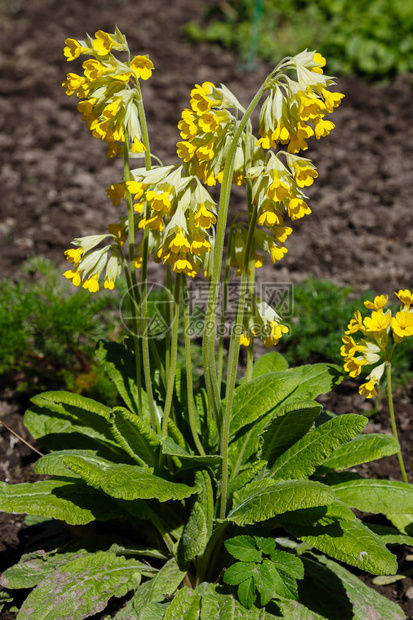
(321, 62)
(350, 347)
(185, 150)
(74, 255)
(379, 321)
(103, 43)
(116, 192)
(322, 128)
(331, 100)
(91, 284)
(402, 323)
(355, 324)
(74, 276)
(204, 218)
(368, 389)
(276, 332)
(304, 174)
(353, 366)
(142, 66)
(406, 297)
(93, 69)
(245, 340)
(73, 49)
(379, 302)
(297, 208)
(277, 253)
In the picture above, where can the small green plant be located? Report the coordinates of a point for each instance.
(175, 477)
(358, 37)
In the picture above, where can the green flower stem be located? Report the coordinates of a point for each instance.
(144, 274)
(233, 365)
(130, 272)
(172, 366)
(168, 320)
(224, 310)
(209, 336)
(251, 289)
(393, 421)
(189, 382)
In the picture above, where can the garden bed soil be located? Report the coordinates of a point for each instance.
(53, 176)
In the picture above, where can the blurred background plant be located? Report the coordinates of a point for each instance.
(372, 38)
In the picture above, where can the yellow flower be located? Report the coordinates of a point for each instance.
(74, 255)
(245, 340)
(350, 347)
(368, 389)
(94, 69)
(137, 146)
(379, 321)
(204, 218)
(142, 66)
(353, 366)
(332, 100)
(74, 276)
(402, 323)
(269, 219)
(185, 150)
(116, 192)
(159, 200)
(297, 208)
(355, 324)
(311, 107)
(304, 174)
(91, 284)
(277, 253)
(109, 284)
(406, 297)
(103, 43)
(118, 231)
(200, 245)
(206, 151)
(320, 60)
(379, 302)
(278, 190)
(73, 49)
(179, 244)
(280, 133)
(298, 140)
(135, 188)
(200, 102)
(187, 127)
(322, 128)
(276, 332)
(73, 83)
(208, 122)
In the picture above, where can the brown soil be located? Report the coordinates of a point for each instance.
(53, 176)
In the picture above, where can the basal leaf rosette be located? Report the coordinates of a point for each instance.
(382, 332)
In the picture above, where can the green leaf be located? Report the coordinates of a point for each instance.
(189, 461)
(81, 587)
(120, 366)
(288, 563)
(53, 464)
(61, 431)
(292, 422)
(270, 362)
(329, 587)
(403, 522)
(243, 548)
(71, 404)
(5, 598)
(245, 476)
(185, 605)
(270, 582)
(264, 499)
(246, 592)
(73, 502)
(264, 395)
(217, 606)
(377, 496)
(301, 460)
(362, 449)
(295, 610)
(341, 535)
(389, 535)
(159, 588)
(239, 572)
(90, 471)
(198, 528)
(132, 482)
(138, 440)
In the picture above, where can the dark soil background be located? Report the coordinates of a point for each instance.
(53, 175)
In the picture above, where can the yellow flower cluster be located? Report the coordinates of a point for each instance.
(376, 330)
(262, 320)
(295, 110)
(177, 210)
(206, 130)
(88, 263)
(109, 103)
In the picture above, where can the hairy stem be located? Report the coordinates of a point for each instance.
(393, 421)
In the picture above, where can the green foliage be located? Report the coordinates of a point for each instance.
(48, 332)
(264, 568)
(157, 497)
(355, 37)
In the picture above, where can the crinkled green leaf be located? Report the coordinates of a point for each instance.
(329, 587)
(120, 366)
(243, 548)
(53, 464)
(245, 476)
(264, 499)
(362, 449)
(73, 502)
(377, 496)
(217, 606)
(159, 588)
(403, 522)
(82, 587)
(132, 482)
(68, 403)
(189, 461)
(389, 535)
(270, 362)
(293, 610)
(138, 439)
(184, 605)
(5, 598)
(198, 529)
(291, 423)
(341, 535)
(264, 395)
(301, 460)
